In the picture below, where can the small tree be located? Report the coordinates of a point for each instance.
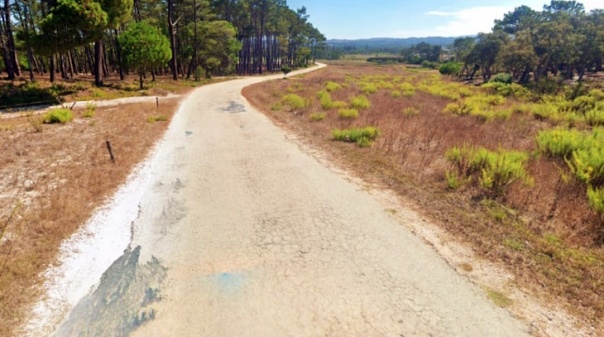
(286, 70)
(144, 47)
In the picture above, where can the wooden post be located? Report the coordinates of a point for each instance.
(110, 150)
(157, 102)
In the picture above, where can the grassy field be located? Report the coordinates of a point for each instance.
(55, 170)
(519, 177)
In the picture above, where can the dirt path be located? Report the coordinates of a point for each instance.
(242, 233)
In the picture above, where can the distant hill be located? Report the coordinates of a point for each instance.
(387, 44)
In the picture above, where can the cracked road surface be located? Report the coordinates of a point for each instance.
(243, 233)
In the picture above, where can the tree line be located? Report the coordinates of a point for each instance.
(181, 38)
(562, 40)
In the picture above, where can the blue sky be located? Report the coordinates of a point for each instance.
(356, 19)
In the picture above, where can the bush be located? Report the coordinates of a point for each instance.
(493, 170)
(595, 117)
(58, 116)
(395, 94)
(317, 116)
(90, 111)
(459, 108)
(595, 196)
(325, 99)
(502, 78)
(410, 111)
(588, 165)
(562, 143)
(332, 86)
(407, 89)
(362, 137)
(369, 88)
(348, 113)
(429, 65)
(360, 103)
(339, 104)
(450, 68)
(295, 102)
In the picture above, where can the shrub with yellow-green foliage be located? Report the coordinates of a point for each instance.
(363, 137)
(583, 152)
(348, 113)
(340, 104)
(407, 89)
(493, 170)
(562, 142)
(360, 103)
(317, 116)
(325, 100)
(60, 115)
(369, 88)
(507, 90)
(331, 86)
(295, 102)
(460, 108)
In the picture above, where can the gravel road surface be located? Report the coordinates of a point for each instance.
(242, 232)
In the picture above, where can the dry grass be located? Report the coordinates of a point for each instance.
(543, 232)
(52, 179)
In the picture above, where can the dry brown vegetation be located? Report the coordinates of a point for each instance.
(540, 228)
(52, 177)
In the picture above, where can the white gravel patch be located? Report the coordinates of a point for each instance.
(88, 253)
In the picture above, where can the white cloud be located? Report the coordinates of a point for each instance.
(468, 21)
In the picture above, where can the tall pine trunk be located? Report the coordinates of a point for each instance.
(98, 63)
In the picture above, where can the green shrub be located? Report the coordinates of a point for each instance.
(317, 116)
(506, 90)
(595, 117)
(595, 196)
(450, 68)
(368, 88)
(493, 170)
(90, 111)
(453, 180)
(429, 65)
(325, 100)
(332, 86)
(588, 165)
(361, 136)
(395, 94)
(60, 115)
(502, 78)
(407, 89)
(340, 104)
(295, 102)
(562, 143)
(277, 107)
(157, 118)
(460, 108)
(348, 113)
(360, 103)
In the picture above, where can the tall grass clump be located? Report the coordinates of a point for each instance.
(325, 100)
(89, 111)
(317, 116)
(368, 88)
(60, 115)
(360, 103)
(294, 101)
(331, 86)
(562, 143)
(492, 170)
(363, 137)
(348, 113)
(407, 89)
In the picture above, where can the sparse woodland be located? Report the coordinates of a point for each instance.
(70, 37)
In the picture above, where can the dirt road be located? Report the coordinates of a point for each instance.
(243, 233)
